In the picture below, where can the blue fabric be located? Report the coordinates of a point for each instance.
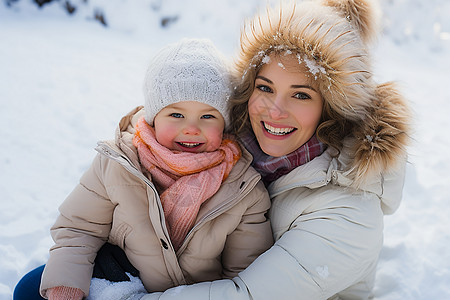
(28, 287)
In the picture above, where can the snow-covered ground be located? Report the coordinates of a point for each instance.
(66, 80)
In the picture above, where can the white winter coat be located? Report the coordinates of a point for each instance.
(328, 230)
(328, 238)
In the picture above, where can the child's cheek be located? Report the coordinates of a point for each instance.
(215, 137)
(165, 135)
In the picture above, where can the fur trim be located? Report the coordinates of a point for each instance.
(315, 33)
(333, 34)
(363, 14)
(384, 136)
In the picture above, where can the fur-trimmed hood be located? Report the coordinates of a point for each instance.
(331, 37)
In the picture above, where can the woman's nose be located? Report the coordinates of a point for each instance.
(277, 109)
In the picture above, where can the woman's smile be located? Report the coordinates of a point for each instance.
(277, 130)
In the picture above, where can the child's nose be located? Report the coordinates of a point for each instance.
(191, 129)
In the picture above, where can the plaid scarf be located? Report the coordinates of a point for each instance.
(272, 168)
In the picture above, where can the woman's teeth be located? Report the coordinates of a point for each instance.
(277, 131)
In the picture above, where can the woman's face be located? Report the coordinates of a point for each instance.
(285, 107)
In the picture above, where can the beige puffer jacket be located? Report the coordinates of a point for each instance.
(115, 202)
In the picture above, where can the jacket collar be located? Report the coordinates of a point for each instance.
(312, 175)
(330, 168)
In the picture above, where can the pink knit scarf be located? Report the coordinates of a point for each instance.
(186, 179)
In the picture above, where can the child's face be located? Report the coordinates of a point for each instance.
(285, 107)
(189, 126)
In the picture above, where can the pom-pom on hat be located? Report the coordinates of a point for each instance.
(190, 70)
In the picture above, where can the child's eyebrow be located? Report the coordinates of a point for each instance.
(212, 109)
(175, 106)
(183, 109)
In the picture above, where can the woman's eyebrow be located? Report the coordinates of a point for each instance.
(264, 78)
(300, 86)
(295, 86)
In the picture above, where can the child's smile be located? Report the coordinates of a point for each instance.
(189, 126)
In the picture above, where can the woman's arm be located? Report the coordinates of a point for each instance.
(323, 253)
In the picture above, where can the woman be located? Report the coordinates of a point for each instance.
(330, 144)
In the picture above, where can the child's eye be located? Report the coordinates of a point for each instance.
(176, 115)
(302, 96)
(264, 88)
(208, 117)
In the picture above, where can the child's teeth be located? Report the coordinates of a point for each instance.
(191, 145)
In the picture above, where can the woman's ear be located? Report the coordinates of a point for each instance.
(364, 15)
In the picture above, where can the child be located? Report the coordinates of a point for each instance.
(175, 193)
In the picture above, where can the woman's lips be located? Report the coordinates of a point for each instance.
(276, 132)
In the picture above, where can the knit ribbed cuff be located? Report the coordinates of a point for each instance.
(65, 293)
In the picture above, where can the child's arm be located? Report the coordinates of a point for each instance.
(81, 229)
(252, 237)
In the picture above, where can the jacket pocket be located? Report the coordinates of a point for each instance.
(118, 234)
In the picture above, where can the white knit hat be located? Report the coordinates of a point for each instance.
(190, 70)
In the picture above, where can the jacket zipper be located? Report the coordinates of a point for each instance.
(123, 160)
(129, 166)
(245, 190)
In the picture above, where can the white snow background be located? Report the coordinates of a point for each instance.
(65, 81)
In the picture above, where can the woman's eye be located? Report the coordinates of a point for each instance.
(302, 96)
(264, 88)
(207, 117)
(176, 115)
